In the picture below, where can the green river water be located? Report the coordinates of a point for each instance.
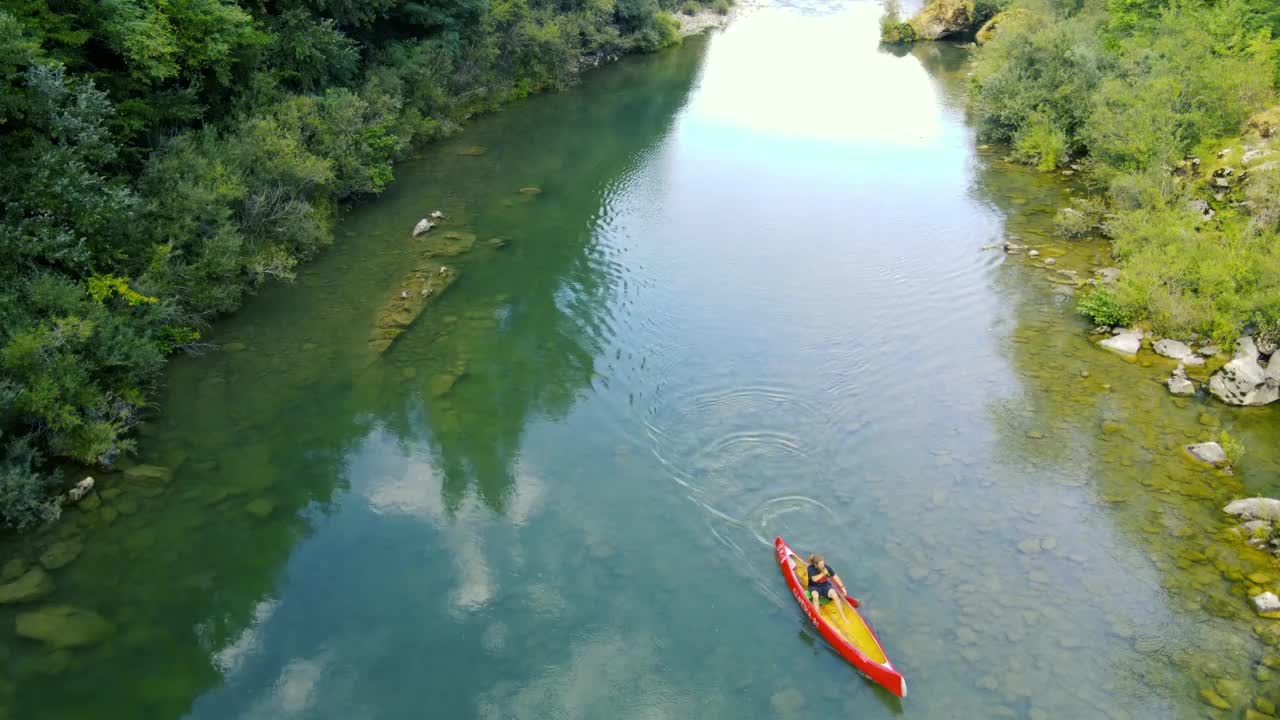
(749, 298)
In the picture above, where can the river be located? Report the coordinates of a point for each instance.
(740, 291)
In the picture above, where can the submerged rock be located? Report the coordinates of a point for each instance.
(411, 297)
(260, 507)
(1243, 380)
(61, 554)
(423, 226)
(1255, 508)
(149, 473)
(442, 383)
(64, 626)
(1171, 349)
(32, 585)
(1128, 343)
(1178, 383)
(1208, 452)
(1211, 697)
(13, 569)
(449, 244)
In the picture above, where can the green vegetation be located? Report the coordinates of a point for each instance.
(1101, 307)
(160, 160)
(1231, 446)
(1146, 95)
(893, 29)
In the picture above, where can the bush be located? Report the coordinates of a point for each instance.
(161, 160)
(1039, 142)
(722, 7)
(1100, 307)
(1135, 86)
(893, 30)
(1231, 446)
(24, 493)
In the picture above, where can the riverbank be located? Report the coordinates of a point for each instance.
(1186, 285)
(188, 218)
(703, 329)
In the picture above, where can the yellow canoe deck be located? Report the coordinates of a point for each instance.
(849, 624)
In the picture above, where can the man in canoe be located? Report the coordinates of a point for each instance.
(821, 577)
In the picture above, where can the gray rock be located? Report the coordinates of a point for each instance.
(1253, 526)
(64, 626)
(1209, 350)
(1201, 208)
(1033, 253)
(1178, 383)
(1108, 274)
(1255, 508)
(1171, 349)
(422, 226)
(1127, 343)
(1266, 345)
(1193, 360)
(1243, 380)
(33, 585)
(1208, 452)
(1266, 602)
(1250, 156)
(944, 18)
(437, 215)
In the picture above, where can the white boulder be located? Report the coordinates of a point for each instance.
(80, 489)
(1243, 380)
(422, 226)
(1128, 342)
(1208, 452)
(1178, 383)
(1255, 508)
(1266, 603)
(1171, 349)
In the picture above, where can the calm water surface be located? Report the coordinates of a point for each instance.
(750, 298)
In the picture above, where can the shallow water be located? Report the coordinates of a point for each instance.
(750, 297)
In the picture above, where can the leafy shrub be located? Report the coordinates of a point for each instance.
(161, 160)
(722, 7)
(984, 10)
(24, 493)
(1231, 446)
(893, 30)
(1039, 142)
(1101, 307)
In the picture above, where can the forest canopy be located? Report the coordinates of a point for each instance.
(162, 158)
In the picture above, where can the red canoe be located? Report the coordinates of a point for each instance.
(851, 636)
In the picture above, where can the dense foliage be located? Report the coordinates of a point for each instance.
(893, 29)
(161, 159)
(1131, 90)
